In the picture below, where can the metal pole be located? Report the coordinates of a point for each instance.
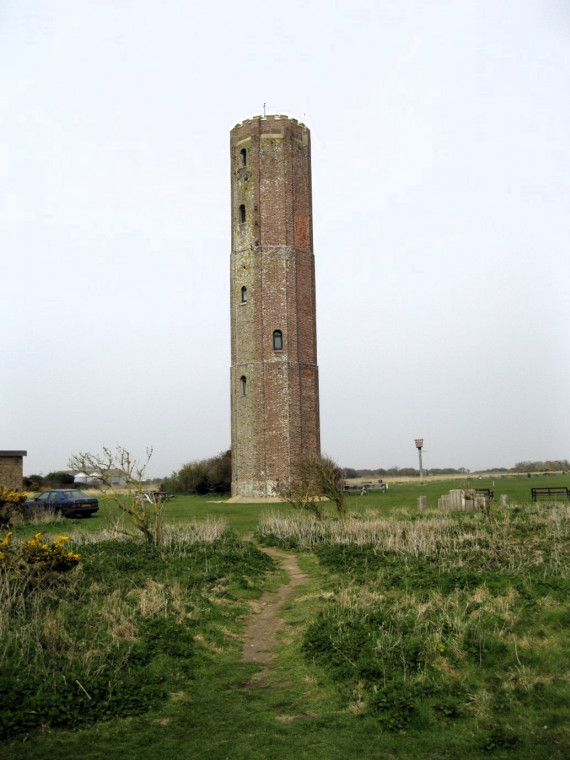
(419, 444)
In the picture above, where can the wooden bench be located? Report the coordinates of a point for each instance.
(550, 491)
(152, 497)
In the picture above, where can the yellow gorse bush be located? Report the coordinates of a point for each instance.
(38, 554)
(10, 502)
(52, 556)
(11, 496)
(6, 547)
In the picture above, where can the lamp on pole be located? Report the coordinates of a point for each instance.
(419, 445)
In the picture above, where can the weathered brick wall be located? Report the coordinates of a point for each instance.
(276, 423)
(11, 469)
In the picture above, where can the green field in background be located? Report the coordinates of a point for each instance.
(243, 518)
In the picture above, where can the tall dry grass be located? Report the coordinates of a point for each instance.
(432, 535)
(175, 537)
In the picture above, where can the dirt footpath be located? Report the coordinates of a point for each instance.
(261, 631)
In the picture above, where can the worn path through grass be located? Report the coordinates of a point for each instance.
(260, 636)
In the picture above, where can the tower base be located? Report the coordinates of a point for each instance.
(256, 500)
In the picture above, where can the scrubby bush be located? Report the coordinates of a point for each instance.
(33, 482)
(213, 475)
(58, 479)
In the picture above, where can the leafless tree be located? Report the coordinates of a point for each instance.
(331, 482)
(317, 478)
(122, 479)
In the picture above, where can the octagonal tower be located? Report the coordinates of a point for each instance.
(274, 374)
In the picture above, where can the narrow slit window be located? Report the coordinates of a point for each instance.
(277, 340)
(244, 294)
(243, 383)
(243, 157)
(242, 214)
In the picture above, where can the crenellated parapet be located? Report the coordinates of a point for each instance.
(271, 125)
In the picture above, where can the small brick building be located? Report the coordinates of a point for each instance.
(12, 469)
(274, 373)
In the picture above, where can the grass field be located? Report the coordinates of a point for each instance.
(243, 518)
(420, 635)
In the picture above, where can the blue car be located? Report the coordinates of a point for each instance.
(69, 502)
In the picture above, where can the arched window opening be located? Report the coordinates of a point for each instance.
(244, 294)
(242, 214)
(243, 157)
(243, 382)
(277, 340)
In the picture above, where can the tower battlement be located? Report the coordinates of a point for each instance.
(273, 125)
(270, 117)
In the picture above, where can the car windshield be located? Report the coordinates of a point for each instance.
(74, 494)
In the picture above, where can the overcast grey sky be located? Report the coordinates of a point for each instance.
(441, 177)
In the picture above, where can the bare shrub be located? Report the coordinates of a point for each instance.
(122, 479)
(302, 492)
(317, 478)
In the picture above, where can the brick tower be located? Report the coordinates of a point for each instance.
(274, 374)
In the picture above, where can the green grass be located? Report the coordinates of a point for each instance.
(180, 510)
(405, 494)
(130, 625)
(434, 636)
(243, 518)
(452, 631)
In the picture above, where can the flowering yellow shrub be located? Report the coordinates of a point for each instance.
(6, 548)
(14, 497)
(53, 556)
(37, 554)
(10, 502)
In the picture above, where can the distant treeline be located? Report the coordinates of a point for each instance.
(403, 472)
(59, 479)
(555, 465)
